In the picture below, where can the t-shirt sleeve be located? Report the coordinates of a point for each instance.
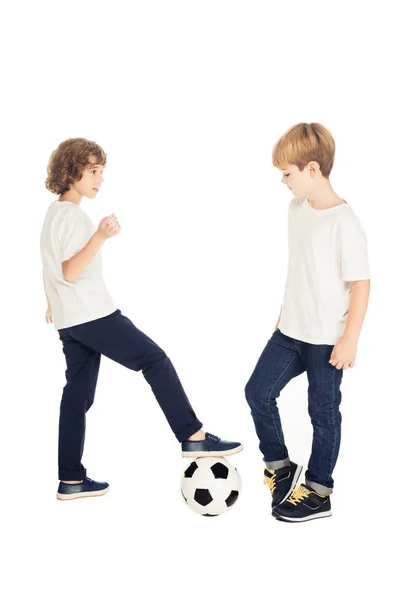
(353, 250)
(69, 235)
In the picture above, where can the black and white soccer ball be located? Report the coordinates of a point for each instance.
(210, 486)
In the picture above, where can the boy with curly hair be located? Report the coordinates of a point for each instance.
(324, 305)
(90, 325)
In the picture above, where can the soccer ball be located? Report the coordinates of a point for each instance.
(210, 486)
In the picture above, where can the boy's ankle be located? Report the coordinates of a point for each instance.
(71, 482)
(199, 436)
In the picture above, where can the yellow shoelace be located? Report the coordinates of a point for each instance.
(270, 481)
(298, 495)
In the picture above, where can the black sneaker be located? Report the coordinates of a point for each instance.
(282, 482)
(88, 487)
(303, 505)
(211, 446)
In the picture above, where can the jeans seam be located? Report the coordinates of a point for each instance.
(274, 384)
(333, 425)
(269, 400)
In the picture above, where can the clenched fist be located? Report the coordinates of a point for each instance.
(109, 226)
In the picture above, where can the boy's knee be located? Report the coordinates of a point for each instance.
(160, 355)
(250, 392)
(157, 359)
(260, 398)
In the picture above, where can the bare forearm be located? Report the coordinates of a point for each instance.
(359, 297)
(73, 267)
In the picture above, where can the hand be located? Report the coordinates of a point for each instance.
(49, 315)
(344, 353)
(109, 226)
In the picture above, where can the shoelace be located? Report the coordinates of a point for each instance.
(271, 482)
(298, 495)
(212, 437)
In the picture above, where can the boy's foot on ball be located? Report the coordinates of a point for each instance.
(88, 487)
(211, 445)
(303, 505)
(282, 481)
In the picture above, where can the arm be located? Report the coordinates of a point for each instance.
(345, 351)
(359, 297)
(47, 298)
(73, 267)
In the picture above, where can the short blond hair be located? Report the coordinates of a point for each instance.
(303, 143)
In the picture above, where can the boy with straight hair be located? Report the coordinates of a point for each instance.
(324, 305)
(89, 324)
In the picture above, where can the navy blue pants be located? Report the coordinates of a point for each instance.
(116, 337)
(282, 359)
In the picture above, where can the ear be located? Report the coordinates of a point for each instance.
(313, 168)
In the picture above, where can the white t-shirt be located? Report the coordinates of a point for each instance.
(66, 230)
(327, 251)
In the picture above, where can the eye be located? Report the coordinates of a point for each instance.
(286, 174)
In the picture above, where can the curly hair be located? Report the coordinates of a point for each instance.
(68, 160)
(303, 143)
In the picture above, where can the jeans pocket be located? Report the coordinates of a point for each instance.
(61, 335)
(274, 333)
(113, 314)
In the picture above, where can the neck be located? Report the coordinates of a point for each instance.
(323, 196)
(71, 196)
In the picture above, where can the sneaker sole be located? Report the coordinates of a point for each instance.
(205, 454)
(328, 513)
(295, 480)
(82, 494)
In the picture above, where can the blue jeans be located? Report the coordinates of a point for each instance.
(282, 359)
(116, 337)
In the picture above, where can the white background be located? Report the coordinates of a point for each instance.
(187, 99)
